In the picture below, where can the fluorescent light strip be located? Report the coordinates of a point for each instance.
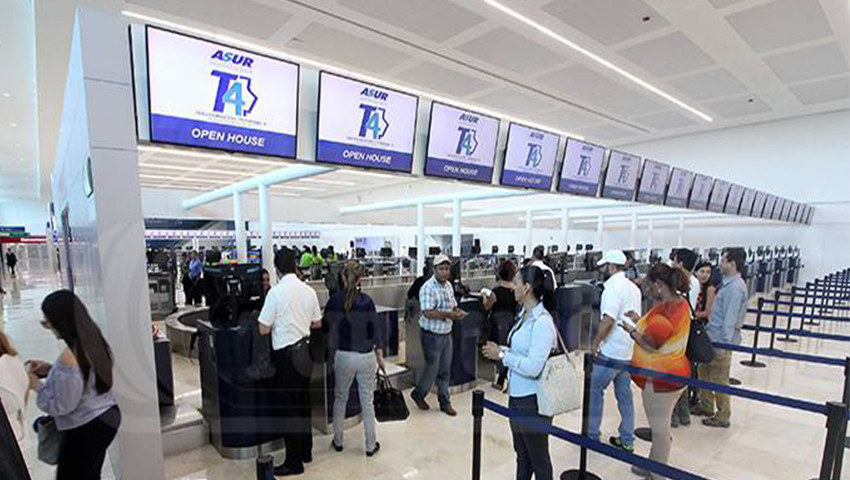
(177, 179)
(209, 156)
(286, 185)
(324, 66)
(605, 63)
(327, 182)
(194, 169)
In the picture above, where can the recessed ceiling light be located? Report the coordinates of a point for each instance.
(7, 95)
(13, 124)
(596, 58)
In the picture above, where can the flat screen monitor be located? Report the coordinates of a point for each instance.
(701, 192)
(365, 125)
(681, 181)
(461, 144)
(718, 196)
(621, 176)
(747, 202)
(792, 215)
(758, 204)
(810, 215)
(769, 204)
(777, 209)
(205, 94)
(733, 203)
(432, 251)
(530, 157)
(653, 182)
(786, 210)
(581, 169)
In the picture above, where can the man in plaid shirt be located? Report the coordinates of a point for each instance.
(439, 310)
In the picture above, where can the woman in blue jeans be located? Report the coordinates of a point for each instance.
(530, 343)
(353, 320)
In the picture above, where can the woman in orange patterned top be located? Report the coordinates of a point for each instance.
(661, 339)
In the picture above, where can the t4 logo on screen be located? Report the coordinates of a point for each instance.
(466, 143)
(623, 177)
(374, 121)
(535, 155)
(583, 166)
(235, 91)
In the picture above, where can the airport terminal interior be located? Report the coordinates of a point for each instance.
(256, 203)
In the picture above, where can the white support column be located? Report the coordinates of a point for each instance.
(420, 238)
(680, 242)
(529, 225)
(239, 221)
(565, 229)
(456, 228)
(266, 230)
(633, 232)
(649, 238)
(600, 233)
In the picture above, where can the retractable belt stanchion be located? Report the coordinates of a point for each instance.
(846, 400)
(787, 338)
(773, 324)
(836, 430)
(753, 362)
(582, 473)
(477, 417)
(811, 321)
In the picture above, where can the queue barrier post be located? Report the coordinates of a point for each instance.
(477, 417)
(846, 399)
(753, 362)
(582, 473)
(811, 321)
(787, 338)
(836, 428)
(773, 326)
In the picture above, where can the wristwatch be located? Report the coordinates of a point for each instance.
(502, 353)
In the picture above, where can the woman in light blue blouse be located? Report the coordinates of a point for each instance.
(531, 341)
(78, 390)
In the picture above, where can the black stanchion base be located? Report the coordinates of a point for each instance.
(786, 340)
(644, 433)
(576, 475)
(734, 381)
(750, 363)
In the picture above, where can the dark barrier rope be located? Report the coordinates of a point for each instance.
(772, 352)
(814, 297)
(607, 450)
(796, 314)
(714, 387)
(804, 305)
(800, 333)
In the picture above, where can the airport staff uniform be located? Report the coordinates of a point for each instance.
(290, 307)
(620, 296)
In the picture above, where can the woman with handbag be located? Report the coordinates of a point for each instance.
(78, 391)
(661, 340)
(353, 320)
(530, 342)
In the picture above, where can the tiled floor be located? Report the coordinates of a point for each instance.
(764, 443)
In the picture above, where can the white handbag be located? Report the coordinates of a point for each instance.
(558, 384)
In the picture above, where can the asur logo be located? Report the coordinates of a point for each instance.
(535, 155)
(234, 58)
(235, 91)
(374, 121)
(374, 93)
(466, 142)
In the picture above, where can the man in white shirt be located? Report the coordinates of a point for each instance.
(290, 310)
(686, 259)
(620, 296)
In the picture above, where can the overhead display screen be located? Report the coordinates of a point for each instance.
(461, 144)
(582, 168)
(795, 209)
(718, 196)
(653, 182)
(758, 204)
(804, 211)
(365, 125)
(747, 202)
(204, 94)
(777, 209)
(769, 204)
(701, 192)
(786, 210)
(680, 188)
(530, 157)
(733, 203)
(810, 215)
(621, 177)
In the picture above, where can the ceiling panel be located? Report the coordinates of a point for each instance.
(607, 21)
(624, 103)
(327, 43)
(665, 120)
(577, 81)
(781, 23)
(708, 85)
(507, 49)
(441, 79)
(739, 106)
(724, 3)
(808, 63)
(822, 91)
(513, 102)
(565, 119)
(672, 54)
(436, 20)
(251, 18)
(605, 133)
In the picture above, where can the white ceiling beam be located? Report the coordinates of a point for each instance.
(410, 202)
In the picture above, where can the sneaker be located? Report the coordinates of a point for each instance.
(685, 422)
(617, 442)
(336, 447)
(641, 472)
(448, 410)
(701, 412)
(715, 422)
(420, 402)
(375, 450)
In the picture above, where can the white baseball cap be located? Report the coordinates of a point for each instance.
(614, 257)
(441, 259)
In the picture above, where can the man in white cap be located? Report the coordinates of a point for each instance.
(439, 311)
(619, 296)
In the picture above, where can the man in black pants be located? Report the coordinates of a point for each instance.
(291, 309)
